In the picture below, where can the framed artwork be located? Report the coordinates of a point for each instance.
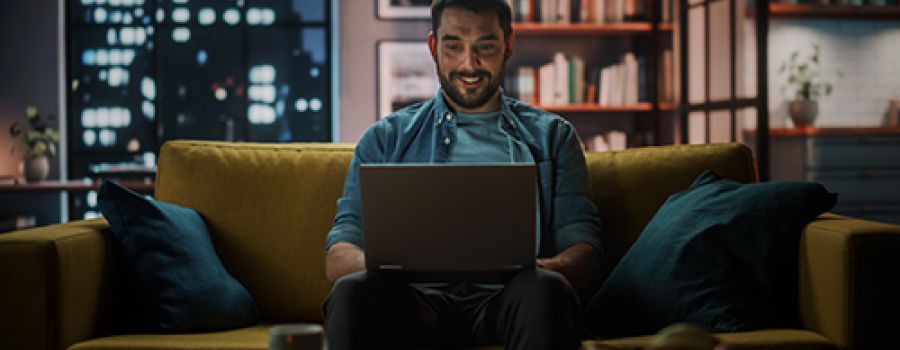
(403, 9)
(405, 74)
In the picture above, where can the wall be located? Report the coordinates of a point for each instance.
(28, 68)
(866, 52)
(360, 31)
(29, 75)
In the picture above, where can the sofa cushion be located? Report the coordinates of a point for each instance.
(629, 186)
(181, 285)
(720, 254)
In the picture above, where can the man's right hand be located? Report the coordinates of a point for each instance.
(343, 259)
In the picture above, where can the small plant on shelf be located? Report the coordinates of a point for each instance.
(40, 140)
(804, 77)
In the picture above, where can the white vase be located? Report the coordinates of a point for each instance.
(803, 112)
(38, 169)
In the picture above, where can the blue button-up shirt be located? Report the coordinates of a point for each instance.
(425, 133)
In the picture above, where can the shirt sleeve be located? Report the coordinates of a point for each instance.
(347, 225)
(575, 218)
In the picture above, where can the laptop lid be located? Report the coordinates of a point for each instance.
(449, 221)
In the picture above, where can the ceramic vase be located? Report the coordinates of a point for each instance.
(803, 112)
(38, 169)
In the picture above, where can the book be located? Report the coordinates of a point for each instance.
(576, 80)
(617, 140)
(666, 84)
(561, 79)
(525, 85)
(629, 80)
(546, 87)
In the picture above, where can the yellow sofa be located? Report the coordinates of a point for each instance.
(268, 207)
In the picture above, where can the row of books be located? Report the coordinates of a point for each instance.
(564, 81)
(610, 141)
(586, 11)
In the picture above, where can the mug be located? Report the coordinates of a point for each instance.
(297, 336)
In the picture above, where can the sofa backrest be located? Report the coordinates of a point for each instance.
(269, 206)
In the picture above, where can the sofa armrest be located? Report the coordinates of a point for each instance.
(849, 281)
(54, 281)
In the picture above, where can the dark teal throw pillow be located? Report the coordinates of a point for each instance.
(719, 254)
(181, 283)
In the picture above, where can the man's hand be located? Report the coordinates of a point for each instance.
(343, 259)
(580, 264)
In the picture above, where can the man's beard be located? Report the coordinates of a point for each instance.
(467, 101)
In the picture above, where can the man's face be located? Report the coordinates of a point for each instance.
(470, 52)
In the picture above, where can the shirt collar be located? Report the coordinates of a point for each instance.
(441, 109)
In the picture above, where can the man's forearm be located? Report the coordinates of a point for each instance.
(580, 264)
(343, 259)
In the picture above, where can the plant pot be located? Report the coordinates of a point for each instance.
(38, 169)
(803, 112)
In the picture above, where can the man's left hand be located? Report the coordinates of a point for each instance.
(580, 264)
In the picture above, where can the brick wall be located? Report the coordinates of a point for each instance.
(866, 52)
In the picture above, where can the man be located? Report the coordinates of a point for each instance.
(470, 120)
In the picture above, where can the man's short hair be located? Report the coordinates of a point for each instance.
(499, 7)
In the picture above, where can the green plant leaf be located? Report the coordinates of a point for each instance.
(38, 149)
(34, 135)
(51, 149)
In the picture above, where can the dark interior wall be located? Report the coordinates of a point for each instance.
(29, 75)
(359, 33)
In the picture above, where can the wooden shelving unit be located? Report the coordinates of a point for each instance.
(71, 185)
(831, 131)
(531, 28)
(587, 108)
(779, 10)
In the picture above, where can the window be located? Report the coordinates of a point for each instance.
(145, 71)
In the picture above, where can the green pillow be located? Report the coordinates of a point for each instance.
(181, 283)
(719, 254)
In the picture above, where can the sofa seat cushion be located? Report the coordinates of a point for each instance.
(257, 338)
(249, 338)
(770, 339)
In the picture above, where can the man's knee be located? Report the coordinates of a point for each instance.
(542, 285)
(357, 289)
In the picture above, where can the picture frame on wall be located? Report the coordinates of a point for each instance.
(403, 9)
(405, 74)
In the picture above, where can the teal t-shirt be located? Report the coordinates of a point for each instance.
(481, 139)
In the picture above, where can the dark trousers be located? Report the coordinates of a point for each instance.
(535, 310)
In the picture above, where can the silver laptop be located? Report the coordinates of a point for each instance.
(448, 222)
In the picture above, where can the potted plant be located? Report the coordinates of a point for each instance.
(41, 141)
(804, 79)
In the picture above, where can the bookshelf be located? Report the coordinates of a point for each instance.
(532, 28)
(783, 10)
(585, 46)
(595, 108)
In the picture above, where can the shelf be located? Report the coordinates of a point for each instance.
(585, 108)
(534, 28)
(831, 131)
(75, 186)
(777, 10)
